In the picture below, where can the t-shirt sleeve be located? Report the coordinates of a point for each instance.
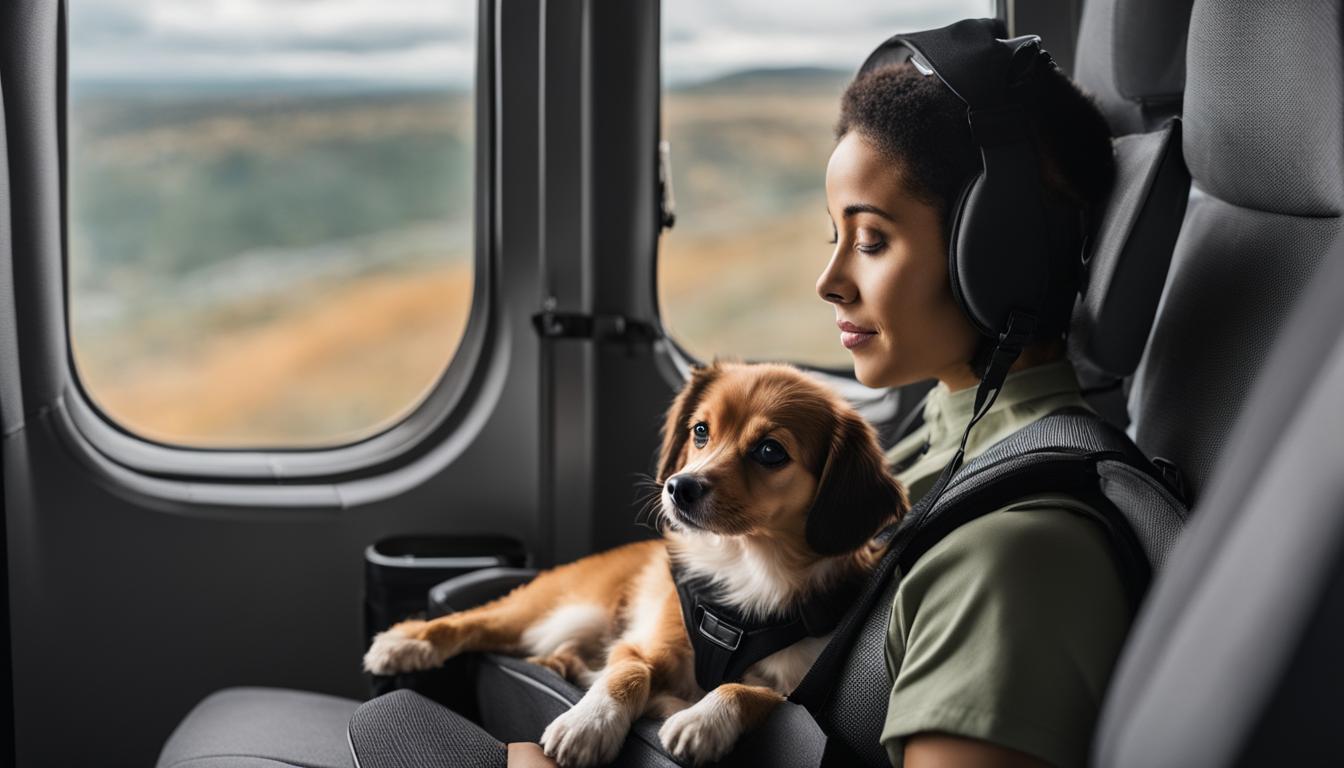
(1007, 630)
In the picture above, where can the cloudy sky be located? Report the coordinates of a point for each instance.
(432, 40)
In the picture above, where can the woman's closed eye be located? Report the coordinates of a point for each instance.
(867, 241)
(874, 246)
(871, 247)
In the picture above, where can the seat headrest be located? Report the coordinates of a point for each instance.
(1131, 250)
(1263, 104)
(1131, 58)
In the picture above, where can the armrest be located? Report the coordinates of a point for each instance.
(475, 588)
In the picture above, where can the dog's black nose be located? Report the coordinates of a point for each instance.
(685, 490)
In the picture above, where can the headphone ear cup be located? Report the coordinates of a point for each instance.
(999, 259)
(957, 219)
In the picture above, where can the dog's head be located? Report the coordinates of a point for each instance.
(765, 450)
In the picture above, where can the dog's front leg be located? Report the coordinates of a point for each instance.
(414, 645)
(592, 731)
(708, 729)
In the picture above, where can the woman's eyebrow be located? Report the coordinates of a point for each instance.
(850, 210)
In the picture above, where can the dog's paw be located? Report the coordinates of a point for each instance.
(396, 650)
(590, 733)
(703, 733)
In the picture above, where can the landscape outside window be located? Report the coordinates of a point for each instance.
(270, 206)
(751, 91)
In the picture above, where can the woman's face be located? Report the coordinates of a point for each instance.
(888, 275)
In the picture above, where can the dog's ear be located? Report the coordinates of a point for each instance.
(674, 428)
(855, 495)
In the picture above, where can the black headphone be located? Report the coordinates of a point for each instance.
(1003, 232)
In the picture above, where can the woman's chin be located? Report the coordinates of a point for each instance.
(867, 373)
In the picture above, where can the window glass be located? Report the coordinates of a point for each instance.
(270, 207)
(751, 92)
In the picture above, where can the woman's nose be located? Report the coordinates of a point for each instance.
(832, 285)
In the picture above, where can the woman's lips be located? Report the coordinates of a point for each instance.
(852, 335)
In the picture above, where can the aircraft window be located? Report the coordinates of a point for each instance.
(751, 91)
(270, 213)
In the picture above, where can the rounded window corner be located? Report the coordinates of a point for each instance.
(446, 408)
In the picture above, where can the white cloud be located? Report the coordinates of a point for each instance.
(707, 38)
(434, 40)
(411, 40)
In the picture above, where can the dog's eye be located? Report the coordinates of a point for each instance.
(701, 433)
(769, 453)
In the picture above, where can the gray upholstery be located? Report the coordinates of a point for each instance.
(1131, 58)
(1235, 274)
(1253, 236)
(1235, 657)
(518, 700)
(854, 717)
(1133, 245)
(406, 730)
(1262, 106)
(262, 728)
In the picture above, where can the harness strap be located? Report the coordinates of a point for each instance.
(725, 643)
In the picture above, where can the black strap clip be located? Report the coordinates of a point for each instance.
(720, 632)
(576, 325)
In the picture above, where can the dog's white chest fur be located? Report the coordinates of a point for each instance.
(785, 668)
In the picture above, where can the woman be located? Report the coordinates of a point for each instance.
(1004, 634)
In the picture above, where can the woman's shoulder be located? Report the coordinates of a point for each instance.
(1040, 546)
(1043, 529)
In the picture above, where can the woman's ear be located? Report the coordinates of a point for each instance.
(856, 495)
(675, 429)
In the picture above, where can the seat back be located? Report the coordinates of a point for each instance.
(1265, 148)
(1233, 659)
(1235, 656)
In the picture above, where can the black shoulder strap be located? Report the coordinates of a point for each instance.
(1058, 453)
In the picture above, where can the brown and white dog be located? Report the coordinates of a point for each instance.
(772, 487)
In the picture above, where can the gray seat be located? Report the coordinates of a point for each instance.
(1234, 657)
(1265, 146)
(262, 728)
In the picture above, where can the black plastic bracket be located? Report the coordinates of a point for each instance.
(610, 328)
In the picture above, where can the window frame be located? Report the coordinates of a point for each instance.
(443, 413)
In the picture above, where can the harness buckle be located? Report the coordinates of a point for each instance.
(720, 632)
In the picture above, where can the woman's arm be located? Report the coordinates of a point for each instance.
(937, 750)
(527, 754)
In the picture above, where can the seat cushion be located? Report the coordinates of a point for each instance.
(262, 728)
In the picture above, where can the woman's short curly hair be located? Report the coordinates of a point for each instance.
(918, 122)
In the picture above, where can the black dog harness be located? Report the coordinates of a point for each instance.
(726, 643)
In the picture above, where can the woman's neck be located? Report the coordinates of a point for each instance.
(962, 377)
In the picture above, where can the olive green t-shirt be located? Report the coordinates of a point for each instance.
(1007, 629)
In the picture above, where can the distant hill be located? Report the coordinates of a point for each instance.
(763, 79)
